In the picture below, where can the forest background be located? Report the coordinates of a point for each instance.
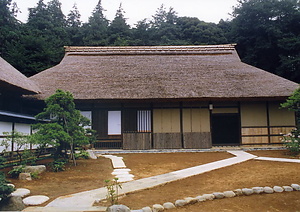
(267, 33)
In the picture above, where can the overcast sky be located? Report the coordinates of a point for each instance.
(136, 10)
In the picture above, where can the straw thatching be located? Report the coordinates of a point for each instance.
(13, 80)
(160, 72)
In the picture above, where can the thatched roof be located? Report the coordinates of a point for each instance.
(159, 72)
(13, 80)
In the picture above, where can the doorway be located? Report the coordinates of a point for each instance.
(225, 129)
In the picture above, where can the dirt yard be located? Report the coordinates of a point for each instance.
(90, 174)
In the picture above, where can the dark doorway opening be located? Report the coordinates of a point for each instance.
(225, 129)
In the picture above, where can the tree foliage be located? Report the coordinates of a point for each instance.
(293, 103)
(266, 33)
(65, 128)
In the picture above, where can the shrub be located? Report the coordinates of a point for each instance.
(5, 190)
(28, 157)
(112, 187)
(58, 165)
(35, 175)
(14, 173)
(82, 155)
(291, 142)
(2, 161)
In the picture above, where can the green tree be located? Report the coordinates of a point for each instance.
(164, 29)
(119, 30)
(74, 27)
(43, 38)
(10, 29)
(140, 34)
(267, 34)
(5, 189)
(196, 32)
(65, 130)
(96, 30)
(293, 104)
(21, 144)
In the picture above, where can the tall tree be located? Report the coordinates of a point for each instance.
(66, 129)
(44, 37)
(74, 26)
(95, 31)
(141, 34)
(164, 27)
(267, 33)
(119, 30)
(10, 29)
(196, 32)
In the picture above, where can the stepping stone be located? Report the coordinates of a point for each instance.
(118, 163)
(124, 175)
(21, 192)
(35, 200)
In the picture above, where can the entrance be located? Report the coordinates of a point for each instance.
(225, 129)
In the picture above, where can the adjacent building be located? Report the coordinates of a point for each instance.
(15, 110)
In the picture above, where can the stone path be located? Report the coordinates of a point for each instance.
(120, 170)
(278, 159)
(83, 201)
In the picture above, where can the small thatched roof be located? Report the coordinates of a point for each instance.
(13, 80)
(160, 72)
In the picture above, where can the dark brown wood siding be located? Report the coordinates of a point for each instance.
(137, 141)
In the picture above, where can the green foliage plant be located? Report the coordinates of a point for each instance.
(292, 139)
(292, 143)
(5, 189)
(28, 157)
(58, 165)
(20, 141)
(82, 155)
(66, 128)
(35, 175)
(293, 104)
(113, 187)
(14, 173)
(2, 161)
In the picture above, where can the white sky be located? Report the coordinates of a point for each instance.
(136, 10)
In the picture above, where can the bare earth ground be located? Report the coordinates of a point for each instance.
(90, 174)
(145, 165)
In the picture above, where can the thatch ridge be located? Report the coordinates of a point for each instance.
(163, 72)
(13, 79)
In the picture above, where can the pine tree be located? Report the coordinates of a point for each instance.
(74, 27)
(119, 30)
(95, 31)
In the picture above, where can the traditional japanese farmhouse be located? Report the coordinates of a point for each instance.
(14, 109)
(172, 96)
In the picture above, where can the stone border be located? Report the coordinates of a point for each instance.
(219, 195)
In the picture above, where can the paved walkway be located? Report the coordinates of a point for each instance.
(278, 159)
(83, 201)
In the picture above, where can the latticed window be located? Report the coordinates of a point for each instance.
(137, 120)
(144, 120)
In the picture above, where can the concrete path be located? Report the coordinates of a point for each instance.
(83, 201)
(278, 159)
